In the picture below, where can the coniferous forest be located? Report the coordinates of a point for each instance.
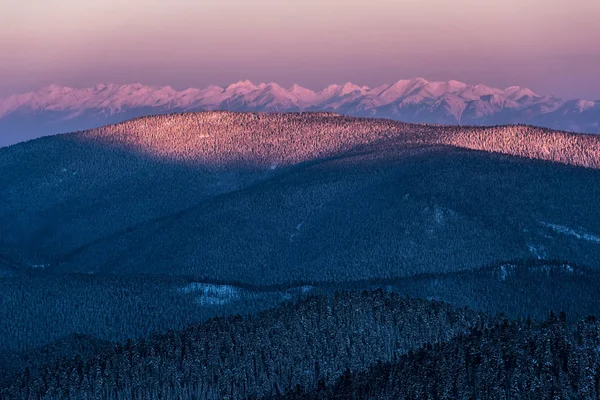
(221, 255)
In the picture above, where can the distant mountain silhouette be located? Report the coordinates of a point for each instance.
(57, 109)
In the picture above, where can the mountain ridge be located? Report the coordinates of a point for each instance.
(284, 195)
(56, 109)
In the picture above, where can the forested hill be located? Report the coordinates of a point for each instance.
(276, 198)
(300, 343)
(124, 230)
(518, 288)
(511, 360)
(221, 138)
(352, 345)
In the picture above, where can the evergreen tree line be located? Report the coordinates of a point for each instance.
(510, 360)
(301, 343)
(350, 345)
(112, 308)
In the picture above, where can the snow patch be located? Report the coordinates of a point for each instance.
(306, 288)
(537, 250)
(211, 294)
(568, 268)
(546, 269)
(579, 234)
(504, 270)
(208, 294)
(298, 229)
(440, 216)
(583, 105)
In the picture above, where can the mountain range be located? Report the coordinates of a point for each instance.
(58, 109)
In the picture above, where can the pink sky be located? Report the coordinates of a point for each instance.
(551, 46)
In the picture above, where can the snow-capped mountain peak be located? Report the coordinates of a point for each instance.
(517, 93)
(241, 87)
(348, 88)
(416, 100)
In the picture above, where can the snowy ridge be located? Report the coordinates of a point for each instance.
(411, 100)
(576, 233)
(260, 97)
(505, 271)
(211, 294)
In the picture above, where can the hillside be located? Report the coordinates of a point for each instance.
(296, 197)
(295, 344)
(125, 232)
(57, 109)
(518, 288)
(509, 360)
(318, 348)
(116, 308)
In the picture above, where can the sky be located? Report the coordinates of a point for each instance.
(551, 46)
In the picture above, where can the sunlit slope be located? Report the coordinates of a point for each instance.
(226, 138)
(272, 198)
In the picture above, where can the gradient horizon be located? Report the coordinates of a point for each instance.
(550, 46)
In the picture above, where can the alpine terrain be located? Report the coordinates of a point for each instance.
(57, 109)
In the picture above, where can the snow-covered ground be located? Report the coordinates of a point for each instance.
(217, 295)
(547, 268)
(455, 98)
(577, 233)
(211, 294)
(504, 271)
(537, 250)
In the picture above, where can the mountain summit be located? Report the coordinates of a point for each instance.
(56, 109)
